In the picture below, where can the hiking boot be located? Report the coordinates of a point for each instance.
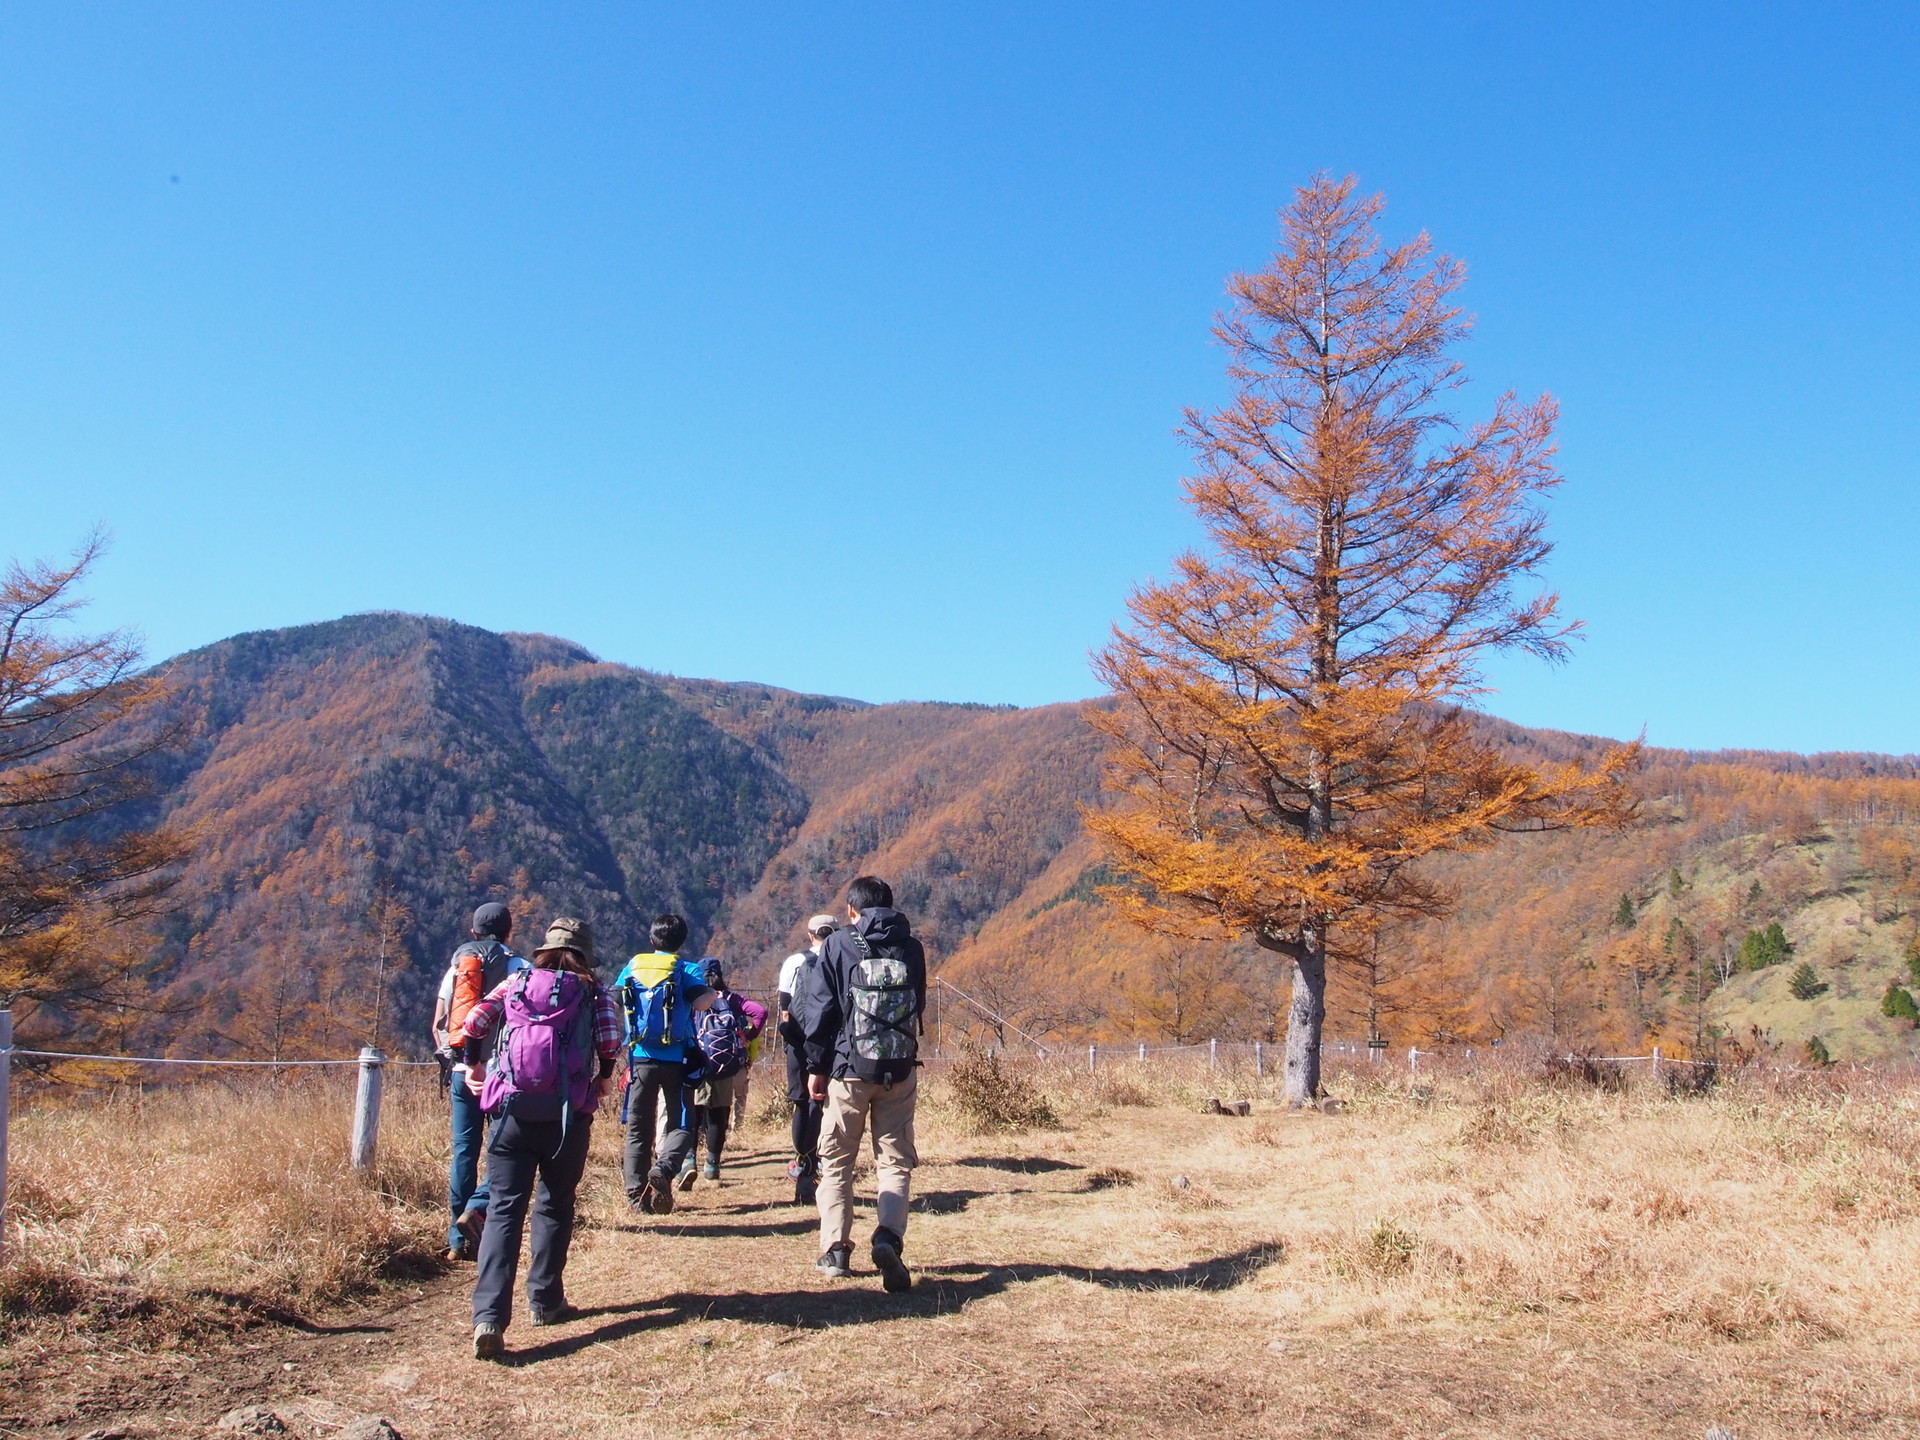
(488, 1342)
(886, 1259)
(837, 1263)
(470, 1224)
(685, 1179)
(710, 1171)
(457, 1251)
(552, 1314)
(660, 1187)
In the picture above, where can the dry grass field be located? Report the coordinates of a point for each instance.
(1479, 1255)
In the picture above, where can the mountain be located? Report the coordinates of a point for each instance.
(393, 760)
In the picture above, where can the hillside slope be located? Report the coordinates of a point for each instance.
(438, 765)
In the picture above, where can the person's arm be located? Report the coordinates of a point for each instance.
(609, 1031)
(756, 1014)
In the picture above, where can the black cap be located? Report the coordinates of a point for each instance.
(710, 968)
(493, 919)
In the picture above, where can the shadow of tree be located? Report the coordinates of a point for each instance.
(1017, 1164)
(940, 1290)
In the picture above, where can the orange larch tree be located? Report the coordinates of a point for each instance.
(72, 748)
(1290, 740)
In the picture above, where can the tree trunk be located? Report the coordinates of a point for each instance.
(1305, 1016)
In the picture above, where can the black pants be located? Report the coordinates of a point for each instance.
(648, 1081)
(710, 1122)
(518, 1153)
(806, 1110)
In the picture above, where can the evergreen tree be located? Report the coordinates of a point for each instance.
(1674, 883)
(1805, 984)
(1897, 1004)
(1623, 916)
(1913, 961)
(1817, 1051)
(1753, 893)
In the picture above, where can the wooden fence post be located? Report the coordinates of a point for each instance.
(6, 1096)
(366, 1108)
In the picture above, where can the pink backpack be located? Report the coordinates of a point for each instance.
(543, 1064)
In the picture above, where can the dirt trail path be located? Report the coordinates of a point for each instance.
(1067, 1287)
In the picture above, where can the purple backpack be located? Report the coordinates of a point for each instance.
(543, 1064)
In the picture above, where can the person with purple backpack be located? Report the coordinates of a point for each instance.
(560, 1033)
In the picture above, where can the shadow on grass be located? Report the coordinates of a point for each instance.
(939, 1290)
(1017, 1164)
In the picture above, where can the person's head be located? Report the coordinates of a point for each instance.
(669, 933)
(568, 946)
(869, 892)
(818, 928)
(710, 970)
(492, 921)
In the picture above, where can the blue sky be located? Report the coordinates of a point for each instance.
(841, 347)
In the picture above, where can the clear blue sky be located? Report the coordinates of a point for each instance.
(841, 346)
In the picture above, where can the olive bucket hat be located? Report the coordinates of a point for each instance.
(569, 934)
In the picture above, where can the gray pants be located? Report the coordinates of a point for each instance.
(648, 1083)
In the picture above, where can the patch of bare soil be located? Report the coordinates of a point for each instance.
(1067, 1286)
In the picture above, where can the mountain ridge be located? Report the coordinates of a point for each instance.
(441, 764)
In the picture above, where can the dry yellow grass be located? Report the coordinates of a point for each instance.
(1476, 1256)
(208, 1205)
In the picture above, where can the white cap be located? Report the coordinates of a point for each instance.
(821, 922)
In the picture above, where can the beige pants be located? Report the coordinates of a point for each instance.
(887, 1110)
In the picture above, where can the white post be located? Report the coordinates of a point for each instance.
(366, 1108)
(1259, 1061)
(1090, 1060)
(1413, 1059)
(1143, 1052)
(6, 1094)
(1656, 1062)
(1213, 1054)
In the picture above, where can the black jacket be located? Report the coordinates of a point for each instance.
(821, 1004)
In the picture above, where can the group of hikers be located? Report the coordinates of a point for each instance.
(532, 1049)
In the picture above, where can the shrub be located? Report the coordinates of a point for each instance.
(1816, 1051)
(992, 1100)
(1897, 1004)
(1583, 1071)
(1805, 984)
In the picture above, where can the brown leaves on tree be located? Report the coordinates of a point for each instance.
(1290, 741)
(71, 749)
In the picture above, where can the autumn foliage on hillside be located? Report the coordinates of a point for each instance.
(354, 789)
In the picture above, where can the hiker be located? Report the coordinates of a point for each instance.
(804, 1168)
(478, 968)
(659, 994)
(724, 1031)
(859, 1012)
(558, 1035)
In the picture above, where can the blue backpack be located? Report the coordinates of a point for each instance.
(648, 997)
(722, 1033)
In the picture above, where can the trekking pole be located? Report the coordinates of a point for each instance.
(366, 1108)
(6, 1094)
